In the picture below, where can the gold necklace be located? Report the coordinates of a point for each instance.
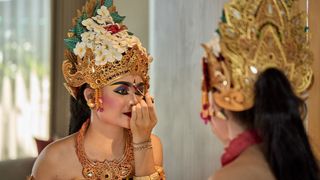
(115, 169)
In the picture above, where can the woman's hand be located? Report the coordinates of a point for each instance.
(143, 120)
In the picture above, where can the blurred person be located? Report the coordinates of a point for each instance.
(256, 74)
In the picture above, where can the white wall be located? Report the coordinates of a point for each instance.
(137, 17)
(177, 28)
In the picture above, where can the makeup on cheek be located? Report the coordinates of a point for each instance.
(112, 100)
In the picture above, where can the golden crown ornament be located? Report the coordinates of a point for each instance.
(101, 50)
(255, 35)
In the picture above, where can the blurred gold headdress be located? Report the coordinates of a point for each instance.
(255, 35)
(100, 49)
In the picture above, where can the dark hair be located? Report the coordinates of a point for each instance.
(276, 116)
(79, 110)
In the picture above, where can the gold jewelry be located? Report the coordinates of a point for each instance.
(139, 143)
(142, 146)
(219, 115)
(115, 169)
(154, 176)
(255, 35)
(158, 175)
(91, 103)
(101, 50)
(98, 100)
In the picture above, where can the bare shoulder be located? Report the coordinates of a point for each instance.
(242, 173)
(234, 171)
(157, 150)
(53, 158)
(250, 165)
(224, 174)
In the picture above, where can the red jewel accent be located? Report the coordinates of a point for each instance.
(205, 119)
(114, 28)
(205, 106)
(205, 70)
(239, 144)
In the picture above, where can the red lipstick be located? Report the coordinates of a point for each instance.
(128, 114)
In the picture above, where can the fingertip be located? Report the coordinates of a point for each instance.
(143, 102)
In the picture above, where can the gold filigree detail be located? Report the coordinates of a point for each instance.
(85, 69)
(113, 170)
(134, 62)
(256, 35)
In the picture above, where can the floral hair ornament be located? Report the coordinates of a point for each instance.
(101, 50)
(255, 35)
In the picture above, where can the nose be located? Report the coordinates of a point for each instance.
(134, 99)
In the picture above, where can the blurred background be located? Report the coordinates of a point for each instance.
(35, 105)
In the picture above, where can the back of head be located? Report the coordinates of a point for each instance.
(277, 118)
(257, 66)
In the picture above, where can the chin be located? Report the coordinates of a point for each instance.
(126, 123)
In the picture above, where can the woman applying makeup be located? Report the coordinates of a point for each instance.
(112, 114)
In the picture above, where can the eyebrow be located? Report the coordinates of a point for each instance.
(127, 83)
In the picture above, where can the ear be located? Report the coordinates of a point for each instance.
(88, 93)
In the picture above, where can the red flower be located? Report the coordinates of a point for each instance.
(114, 28)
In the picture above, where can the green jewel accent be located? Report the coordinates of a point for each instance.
(79, 28)
(71, 43)
(96, 9)
(218, 31)
(306, 29)
(117, 18)
(223, 17)
(108, 3)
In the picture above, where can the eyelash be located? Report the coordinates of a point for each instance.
(124, 91)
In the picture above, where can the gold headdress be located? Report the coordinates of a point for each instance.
(101, 50)
(255, 35)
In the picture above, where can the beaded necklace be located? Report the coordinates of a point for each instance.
(115, 169)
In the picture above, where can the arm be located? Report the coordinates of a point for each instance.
(147, 147)
(146, 160)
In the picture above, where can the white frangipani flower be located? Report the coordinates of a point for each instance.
(103, 11)
(100, 60)
(106, 38)
(80, 49)
(89, 24)
(103, 20)
(87, 36)
(115, 54)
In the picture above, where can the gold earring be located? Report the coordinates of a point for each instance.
(91, 103)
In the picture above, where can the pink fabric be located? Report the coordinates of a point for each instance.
(41, 144)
